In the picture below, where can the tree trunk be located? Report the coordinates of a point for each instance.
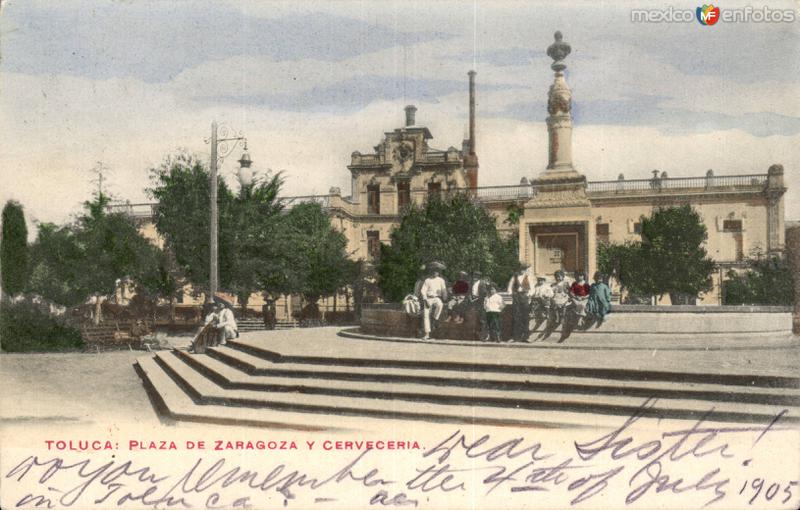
(172, 305)
(244, 299)
(98, 310)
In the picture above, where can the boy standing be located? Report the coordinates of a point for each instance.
(493, 305)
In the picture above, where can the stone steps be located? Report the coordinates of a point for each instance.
(680, 405)
(204, 388)
(204, 391)
(433, 356)
(289, 373)
(173, 401)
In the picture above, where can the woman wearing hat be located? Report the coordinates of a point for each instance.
(561, 289)
(458, 303)
(579, 294)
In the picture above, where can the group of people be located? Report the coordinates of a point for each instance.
(219, 327)
(549, 302)
(435, 301)
(531, 303)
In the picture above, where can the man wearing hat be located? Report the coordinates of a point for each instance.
(434, 295)
(479, 288)
(519, 287)
(225, 322)
(541, 300)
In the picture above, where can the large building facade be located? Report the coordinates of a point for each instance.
(564, 216)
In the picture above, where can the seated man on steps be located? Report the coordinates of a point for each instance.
(226, 325)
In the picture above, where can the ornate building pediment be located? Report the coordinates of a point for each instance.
(403, 155)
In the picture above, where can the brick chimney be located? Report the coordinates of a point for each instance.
(410, 111)
(471, 158)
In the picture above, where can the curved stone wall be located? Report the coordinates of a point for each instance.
(389, 320)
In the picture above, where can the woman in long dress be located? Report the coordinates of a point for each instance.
(599, 304)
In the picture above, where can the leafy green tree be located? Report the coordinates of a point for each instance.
(768, 280)
(514, 212)
(14, 249)
(248, 241)
(90, 257)
(56, 265)
(625, 263)
(670, 259)
(456, 231)
(181, 186)
(255, 219)
(113, 251)
(315, 259)
(160, 279)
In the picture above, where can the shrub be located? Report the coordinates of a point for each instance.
(767, 281)
(29, 327)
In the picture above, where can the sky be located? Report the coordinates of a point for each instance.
(126, 83)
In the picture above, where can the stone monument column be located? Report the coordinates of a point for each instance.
(557, 229)
(559, 107)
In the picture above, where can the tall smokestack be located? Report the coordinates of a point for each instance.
(472, 111)
(471, 158)
(410, 111)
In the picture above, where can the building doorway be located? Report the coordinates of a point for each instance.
(557, 252)
(558, 246)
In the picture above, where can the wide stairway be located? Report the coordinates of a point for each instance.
(258, 382)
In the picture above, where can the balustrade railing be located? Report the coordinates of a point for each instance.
(657, 184)
(514, 192)
(146, 210)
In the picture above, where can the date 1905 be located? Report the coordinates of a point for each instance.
(777, 491)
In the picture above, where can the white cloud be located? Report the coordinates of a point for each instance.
(54, 128)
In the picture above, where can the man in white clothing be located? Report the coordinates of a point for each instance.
(494, 304)
(225, 323)
(434, 295)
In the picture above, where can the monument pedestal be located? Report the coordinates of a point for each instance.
(557, 227)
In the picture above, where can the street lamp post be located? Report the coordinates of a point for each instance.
(245, 173)
(223, 140)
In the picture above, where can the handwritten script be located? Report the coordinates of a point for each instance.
(692, 463)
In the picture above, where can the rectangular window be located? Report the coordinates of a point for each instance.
(637, 228)
(434, 190)
(602, 233)
(373, 244)
(734, 228)
(373, 199)
(403, 195)
(732, 225)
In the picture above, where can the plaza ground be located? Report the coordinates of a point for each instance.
(99, 396)
(85, 389)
